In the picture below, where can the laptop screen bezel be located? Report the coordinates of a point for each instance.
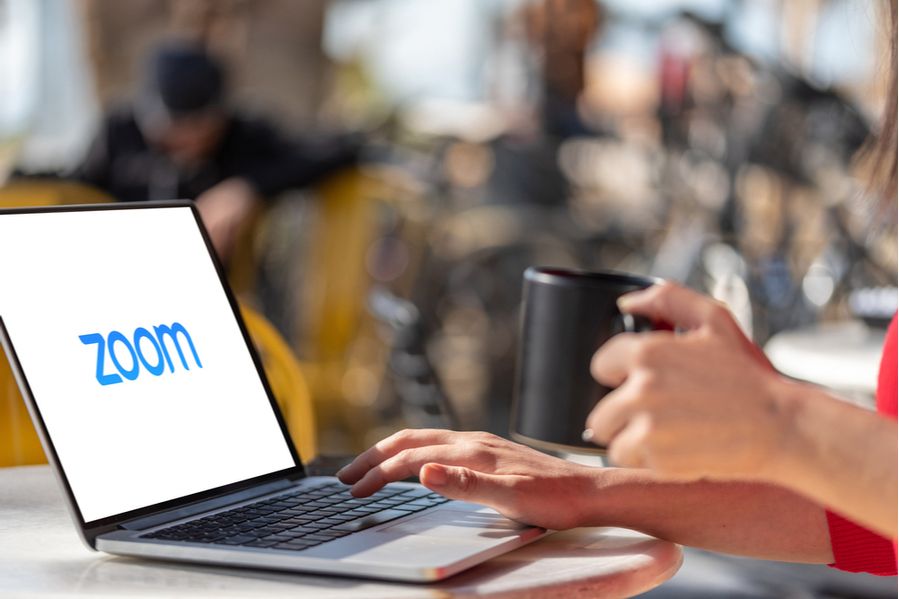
(90, 530)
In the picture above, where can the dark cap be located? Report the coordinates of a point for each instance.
(182, 78)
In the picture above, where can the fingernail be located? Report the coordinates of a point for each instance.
(587, 435)
(624, 302)
(436, 476)
(340, 472)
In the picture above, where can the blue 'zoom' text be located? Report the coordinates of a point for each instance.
(143, 344)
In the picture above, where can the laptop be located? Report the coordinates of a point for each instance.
(158, 420)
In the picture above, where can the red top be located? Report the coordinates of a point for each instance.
(856, 548)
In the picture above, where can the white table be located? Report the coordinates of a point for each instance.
(842, 356)
(41, 555)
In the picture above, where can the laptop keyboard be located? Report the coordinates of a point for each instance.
(301, 519)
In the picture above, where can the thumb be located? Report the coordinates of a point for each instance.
(672, 304)
(458, 482)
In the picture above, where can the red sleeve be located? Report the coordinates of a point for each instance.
(886, 382)
(855, 548)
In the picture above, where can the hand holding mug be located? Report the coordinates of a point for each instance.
(701, 403)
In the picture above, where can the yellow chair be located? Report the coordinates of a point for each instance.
(19, 444)
(344, 356)
(49, 192)
(335, 285)
(287, 381)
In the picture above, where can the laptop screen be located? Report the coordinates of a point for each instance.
(134, 358)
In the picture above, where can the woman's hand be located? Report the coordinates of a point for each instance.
(703, 402)
(519, 482)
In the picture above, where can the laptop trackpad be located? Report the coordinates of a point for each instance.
(450, 523)
(433, 539)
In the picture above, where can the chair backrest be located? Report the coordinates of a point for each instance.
(287, 381)
(49, 192)
(335, 284)
(19, 444)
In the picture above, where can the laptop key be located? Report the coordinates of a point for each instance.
(330, 532)
(392, 501)
(293, 546)
(332, 521)
(261, 532)
(371, 520)
(410, 508)
(301, 530)
(422, 502)
(415, 493)
(342, 518)
(278, 538)
(296, 522)
(353, 502)
(237, 540)
(318, 538)
(304, 541)
(228, 532)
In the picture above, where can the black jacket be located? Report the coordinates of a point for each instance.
(121, 162)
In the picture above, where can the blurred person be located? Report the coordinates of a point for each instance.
(719, 450)
(560, 32)
(180, 140)
(557, 35)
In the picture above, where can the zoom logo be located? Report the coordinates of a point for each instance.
(143, 351)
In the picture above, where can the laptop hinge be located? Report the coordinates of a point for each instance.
(204, 506)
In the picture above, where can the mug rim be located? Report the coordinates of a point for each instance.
(554, 446)
(574, 277)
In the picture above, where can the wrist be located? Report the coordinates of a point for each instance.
(587, 490)
(606, 497)
(787, 463)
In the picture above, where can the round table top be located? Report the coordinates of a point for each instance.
(41, 554)
(843, 356)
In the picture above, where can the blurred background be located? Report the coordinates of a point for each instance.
(386, 169)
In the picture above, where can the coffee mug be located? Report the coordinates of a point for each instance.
(567, 315)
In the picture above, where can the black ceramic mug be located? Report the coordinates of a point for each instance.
(566, 316)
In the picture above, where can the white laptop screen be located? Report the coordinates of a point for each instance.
(133, 355)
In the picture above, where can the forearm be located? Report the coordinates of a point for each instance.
(749, 519)
(843, 457)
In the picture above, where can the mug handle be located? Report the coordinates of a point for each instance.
(631, 323)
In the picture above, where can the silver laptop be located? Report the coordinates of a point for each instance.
(157, 417)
